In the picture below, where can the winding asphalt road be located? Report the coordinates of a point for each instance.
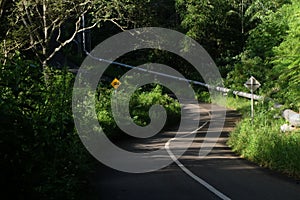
(221, 172)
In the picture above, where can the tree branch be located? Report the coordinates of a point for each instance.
(117, 24)
(2, 5)
(59, 34)
(45, 26)
(62, 44)
(32, 32)
(54, 27)
(89, 27)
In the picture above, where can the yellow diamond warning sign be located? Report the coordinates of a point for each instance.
(115, 83)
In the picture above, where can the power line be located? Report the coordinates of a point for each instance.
(133, 67)
(217, 88)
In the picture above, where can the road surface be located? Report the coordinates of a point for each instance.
(222, 170)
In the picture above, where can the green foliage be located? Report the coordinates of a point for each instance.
(217, 25)
(41, 156)
(255, 59)
(39, 26)
(258, 10)
(104, 113)
(240, 104)
(140, 103)
(263, 143)
(203, 96)
(244, 70)
(44, 28)
(287, 59)
(272, 53)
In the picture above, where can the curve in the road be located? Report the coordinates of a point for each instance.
(188, 172)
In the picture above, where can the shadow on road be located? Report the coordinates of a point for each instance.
(221, 168)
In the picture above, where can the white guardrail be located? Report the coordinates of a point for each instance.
(292, 117)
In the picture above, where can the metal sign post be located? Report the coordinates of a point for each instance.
(253, 85)
(116, 83)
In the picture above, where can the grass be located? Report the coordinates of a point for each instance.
(262, 141)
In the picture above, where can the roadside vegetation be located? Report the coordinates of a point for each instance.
(140, 103)
(272, 55)
(262, 141)
(41, 154)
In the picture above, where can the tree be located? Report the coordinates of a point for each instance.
(33, 24)
(216, 24)
(45, 27)
(270, 26)
(287, 58)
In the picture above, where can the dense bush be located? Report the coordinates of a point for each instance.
(271, 54)
(263, 143)
(41, 156)
(140, 103)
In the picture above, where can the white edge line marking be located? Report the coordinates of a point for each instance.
(191, 174)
